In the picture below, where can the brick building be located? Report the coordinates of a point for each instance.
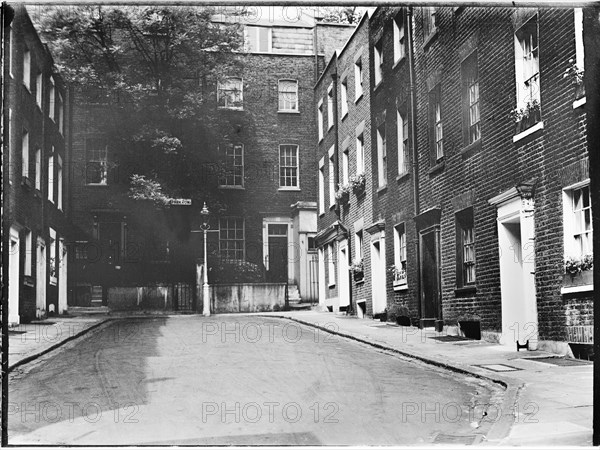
(35, 163)
(501, 174)
(263, 139)
(342, 97)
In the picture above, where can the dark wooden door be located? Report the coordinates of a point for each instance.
(430, 289)
(278, 253)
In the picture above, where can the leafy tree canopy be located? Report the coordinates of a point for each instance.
(157, 61)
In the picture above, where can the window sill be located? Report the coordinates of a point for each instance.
(402, 176)
(322, 214)
(231, 108)
(329, 127)
(471, 149)
(465, 290)
(288, 188)
(400, 61)
(437, 168)
(96, 184)
(37, 193)
(331, 285)
(321, 139)
(579, 102)
(359, 282)
(344, 115)
(377, 84)
(382, 189)
(332, 206)
(575, 289)
(53, 281)
(288, 111)
(529, 131)
(356, 100)
(234, 188)
(401, 287)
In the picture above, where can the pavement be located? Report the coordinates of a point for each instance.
(547, 399)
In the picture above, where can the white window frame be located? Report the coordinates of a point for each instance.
(230, 165)
(378, 61)
(569, 223)
(253, 45)
(400, 260)
(403, 158)
(283, 175)
(25, 153)
(358, 244)
(331, 176)
(360, 153)
(39, 82)
(225, 87)
(358, 79)
(59, 184)
(27, 69)
(381, 156)
(344, 96)
(293, 96)
(320, 119)
(28, 253)
(579, 47)
(51, 177)
(38, 169)
(322, 186)
(102, 163)
(52, 257)
(527, 64)
(345, 166)
(235, 239)
(330, 106)
(11, 51)
(331, 264)
(61, 114)
(399, 38)
(52, 102)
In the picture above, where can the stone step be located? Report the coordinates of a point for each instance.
(81, 310)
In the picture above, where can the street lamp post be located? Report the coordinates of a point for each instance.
(205, 292)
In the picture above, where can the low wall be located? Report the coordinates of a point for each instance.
(240, 297)
(146, 297)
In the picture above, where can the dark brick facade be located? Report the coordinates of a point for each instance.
(28, 207)
(539, 163)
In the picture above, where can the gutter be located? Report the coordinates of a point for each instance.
(413, 141)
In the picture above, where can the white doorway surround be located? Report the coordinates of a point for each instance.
(343, 274)
(516, 247)
(62, 276)
(13, 277)
(40, 279)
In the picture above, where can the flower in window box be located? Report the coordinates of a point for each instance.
(527, 116)
(53, 267)
(576, 74)
(343, 193)
(357, 269)
(573, 266)
(357, 183)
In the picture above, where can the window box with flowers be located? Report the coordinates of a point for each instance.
(526, 117)
(358, 271)
(575, 73)
(579, 272)
(357, 184)
(399, 277)
(342, 195)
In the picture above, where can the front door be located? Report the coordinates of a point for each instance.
(40, 280)
(430, 276)
(13, 277)
(378, 276)
(277, 271)
(343, 275)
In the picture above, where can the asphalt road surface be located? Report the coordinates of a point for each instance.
(238, 380)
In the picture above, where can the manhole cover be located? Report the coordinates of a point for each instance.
(498, 367)
(442, 438)
(450, 338)
(562, 361)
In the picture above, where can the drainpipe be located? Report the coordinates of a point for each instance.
(413, 141)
